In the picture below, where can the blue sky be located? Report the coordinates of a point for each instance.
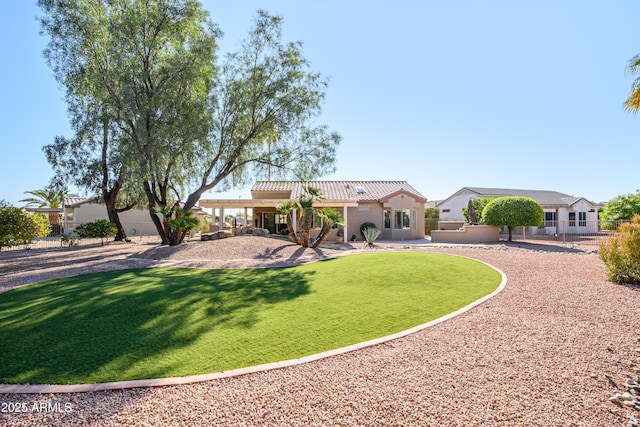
(522, 94)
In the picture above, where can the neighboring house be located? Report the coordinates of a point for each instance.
(562, 213)
(79, 210)
(395, 207)
(136, 222)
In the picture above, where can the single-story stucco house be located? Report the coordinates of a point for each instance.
(395, 207)
(562, 213)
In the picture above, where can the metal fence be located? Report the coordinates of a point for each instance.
(58, 240)
(589, 233)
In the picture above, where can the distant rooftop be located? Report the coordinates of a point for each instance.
(543, 197)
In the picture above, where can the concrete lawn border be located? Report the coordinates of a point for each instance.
(173, 381)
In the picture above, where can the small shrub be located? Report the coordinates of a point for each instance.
(430, 224)
(20, 228)
(69, 240)
(621, 253)
(100, 228)
(365, 225)
(205, 227)
(478, 206)
(431, 219)
(370, 234)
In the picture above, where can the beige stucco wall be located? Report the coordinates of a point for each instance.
(374, 212)
(259, 195)
(365, 212)
(134, 221)
(416, 218)
(450, 225)
(468, 234)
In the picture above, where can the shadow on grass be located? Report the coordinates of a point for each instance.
(90, 327)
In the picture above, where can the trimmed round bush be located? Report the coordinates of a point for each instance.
(513, 211)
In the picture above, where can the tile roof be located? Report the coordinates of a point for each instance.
(541, 196)
(74, 202)
(340, 190)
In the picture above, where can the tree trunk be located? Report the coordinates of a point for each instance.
(115, 219)
(154, 218)
(510, 232)
(307, 222)
(326, 229)
(110, 195)
(292, 234)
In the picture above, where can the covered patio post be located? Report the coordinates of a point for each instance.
(344, 227)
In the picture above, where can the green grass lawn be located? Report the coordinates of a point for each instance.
(162, 322)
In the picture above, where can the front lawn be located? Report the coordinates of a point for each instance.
(162, 322)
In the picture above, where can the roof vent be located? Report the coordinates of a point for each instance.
(360, 190)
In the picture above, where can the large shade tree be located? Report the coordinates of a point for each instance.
(189, 125)
(91, 160)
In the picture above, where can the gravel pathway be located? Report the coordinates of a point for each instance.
(537, 354)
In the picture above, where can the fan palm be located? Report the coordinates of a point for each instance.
(330, 217)
(287, 209)
(306, 201)
(47, 198)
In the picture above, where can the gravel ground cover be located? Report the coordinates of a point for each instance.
(544, 352)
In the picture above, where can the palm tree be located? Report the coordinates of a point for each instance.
(305, 215)
(633, 102)
(287, 209)
(330, 217)
(47, 198)
(305, 202)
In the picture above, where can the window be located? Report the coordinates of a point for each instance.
(572, 219)
(402, 219)
(582, 219)
(549, 219)
(414, 215)
(386, 219)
